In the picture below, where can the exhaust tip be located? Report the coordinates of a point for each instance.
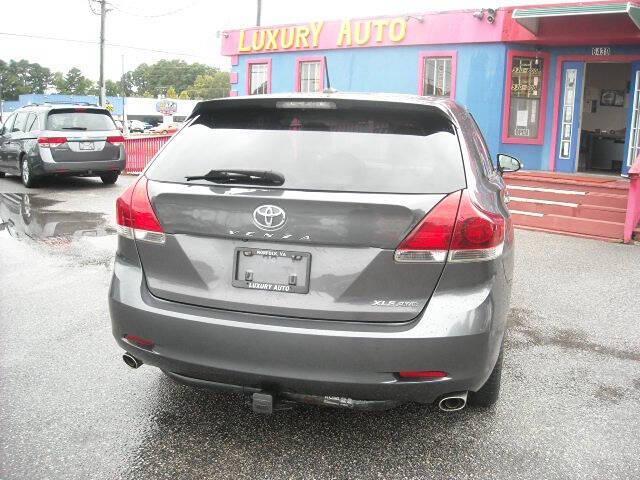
(131, 361)
(453, 402)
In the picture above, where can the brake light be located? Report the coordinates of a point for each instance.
(50, 142)
(116, 140)
(456, 230)
(429, 241)
(135, 215)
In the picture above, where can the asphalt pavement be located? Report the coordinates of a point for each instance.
(69, 408)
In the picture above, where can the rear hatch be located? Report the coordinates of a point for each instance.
(81, 134)
(357, 177)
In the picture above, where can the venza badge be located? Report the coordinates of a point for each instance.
(269, 217)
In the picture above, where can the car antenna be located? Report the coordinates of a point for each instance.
(328, 89)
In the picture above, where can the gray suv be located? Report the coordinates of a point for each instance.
(336, 249)
(61, 139)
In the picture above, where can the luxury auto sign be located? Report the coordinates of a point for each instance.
(348, 33)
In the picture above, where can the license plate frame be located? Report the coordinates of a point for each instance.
(258, 255)
(87, 146)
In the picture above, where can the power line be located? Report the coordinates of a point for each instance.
(94, 42)
(172, 12)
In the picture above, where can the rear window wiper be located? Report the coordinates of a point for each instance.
(253, 177)
(74, 128)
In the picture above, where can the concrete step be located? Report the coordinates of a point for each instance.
(595, 212)
(614, 200)
(568, 224)
(595, 184)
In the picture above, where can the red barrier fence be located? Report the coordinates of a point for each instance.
(140, 151)
(633, 202)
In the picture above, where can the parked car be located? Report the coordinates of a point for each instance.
(136, 126)
(165, 128)
(345, 250)
(61, 139)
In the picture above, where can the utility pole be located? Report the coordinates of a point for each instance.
(259, 13)
(124, 112)
(103, 18)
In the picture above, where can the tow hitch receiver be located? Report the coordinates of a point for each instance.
(262, 403)
(267, 403)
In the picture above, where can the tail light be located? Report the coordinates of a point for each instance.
(135, 216)
(116, 140)
(456, 230)
(51, 142)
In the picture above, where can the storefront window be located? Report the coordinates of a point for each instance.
(437, 76)
(259, 78)
(526, 96)
(310, 77)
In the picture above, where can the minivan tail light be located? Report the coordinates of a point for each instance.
(135, 216)
(456, 230)
(116, 140)
(49, 142)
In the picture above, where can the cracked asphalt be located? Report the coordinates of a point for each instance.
(69, 408)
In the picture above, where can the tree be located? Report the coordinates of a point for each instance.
(171, 92)
(114, 89)
(210, 86)
(157, 77)
(74, 83)
(21, 77)
(184, 95)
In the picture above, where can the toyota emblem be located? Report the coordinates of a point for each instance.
(269, 217)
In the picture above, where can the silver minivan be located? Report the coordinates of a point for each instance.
(61, 139)
(334, 249)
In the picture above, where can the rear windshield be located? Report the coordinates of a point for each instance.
(72, 120)
(355, 149)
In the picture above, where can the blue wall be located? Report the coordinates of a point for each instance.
(481, 72)
(10, 106)
(395, 69)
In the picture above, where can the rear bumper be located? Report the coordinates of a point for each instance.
(81, 168)
(277, 354)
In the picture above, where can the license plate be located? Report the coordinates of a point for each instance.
(271, 270)
(86, 145)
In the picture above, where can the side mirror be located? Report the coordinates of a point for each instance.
(507, 163)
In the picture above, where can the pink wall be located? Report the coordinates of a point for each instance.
(436, 28)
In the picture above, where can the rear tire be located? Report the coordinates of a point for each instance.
(29, 180)
(109, 178)
(488, 395)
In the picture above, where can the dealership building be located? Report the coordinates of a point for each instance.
(556, 86)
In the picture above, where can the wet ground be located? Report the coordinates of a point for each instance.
(69, 408)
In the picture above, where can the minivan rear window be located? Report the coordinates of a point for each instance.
(79, 120)
(355, 149)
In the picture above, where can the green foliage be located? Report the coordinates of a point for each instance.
(158, 77)
(74, 83)
(210, 86)
(163, 78)
(171, 92)
(20, 77)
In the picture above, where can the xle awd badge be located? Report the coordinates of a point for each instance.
(269, 217)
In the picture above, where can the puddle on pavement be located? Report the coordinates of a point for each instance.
(522, 321)
(27, 216)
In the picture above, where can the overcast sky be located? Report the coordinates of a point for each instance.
(184, 28)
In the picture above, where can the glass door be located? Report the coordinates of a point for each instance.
(633, 120)
(570, 115)
(569, 118)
